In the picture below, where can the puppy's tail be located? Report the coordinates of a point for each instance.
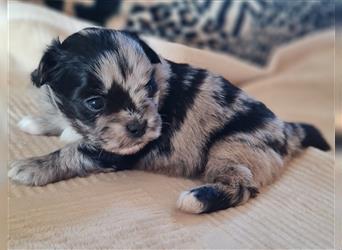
(303, 135)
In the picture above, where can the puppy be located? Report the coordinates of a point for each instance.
(126, 107)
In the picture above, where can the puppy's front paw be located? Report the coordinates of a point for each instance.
(30, 125)
(29, 172)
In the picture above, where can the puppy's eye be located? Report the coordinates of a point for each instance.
(95, 103)
(151, 87)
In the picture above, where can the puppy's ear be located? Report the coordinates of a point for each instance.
(48, 64)
(35, 78)
(150, 53)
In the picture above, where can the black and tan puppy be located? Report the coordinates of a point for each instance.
(128, 108)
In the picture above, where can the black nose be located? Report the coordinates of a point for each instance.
(136, 128)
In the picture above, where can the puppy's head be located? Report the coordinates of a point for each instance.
(108, 84)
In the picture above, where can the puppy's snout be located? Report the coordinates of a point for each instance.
(136, 128)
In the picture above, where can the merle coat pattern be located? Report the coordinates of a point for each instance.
(125, 107)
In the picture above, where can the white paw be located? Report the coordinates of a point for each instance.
(187, 202)
(30, 125)
(69, 135)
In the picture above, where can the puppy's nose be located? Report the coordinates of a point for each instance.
(136, 128)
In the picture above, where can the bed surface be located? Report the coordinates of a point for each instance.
(133, 209)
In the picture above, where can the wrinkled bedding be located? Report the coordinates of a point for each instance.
(133, 209)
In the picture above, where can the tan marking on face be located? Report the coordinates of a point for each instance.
(107, 70)
(128, 53)
(113, 136)
(137, 73)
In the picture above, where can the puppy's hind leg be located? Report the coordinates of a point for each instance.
(228, 185)
(49, 127)
(39, 126)
(50, 120)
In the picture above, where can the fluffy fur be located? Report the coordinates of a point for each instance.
(126, 107)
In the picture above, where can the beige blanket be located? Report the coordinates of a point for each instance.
(133, 209)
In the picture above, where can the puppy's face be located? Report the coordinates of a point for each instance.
(108, 84)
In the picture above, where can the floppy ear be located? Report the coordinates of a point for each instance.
(47, 65)
(35, 78)
(150, 53)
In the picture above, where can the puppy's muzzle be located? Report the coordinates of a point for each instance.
(136, 128)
